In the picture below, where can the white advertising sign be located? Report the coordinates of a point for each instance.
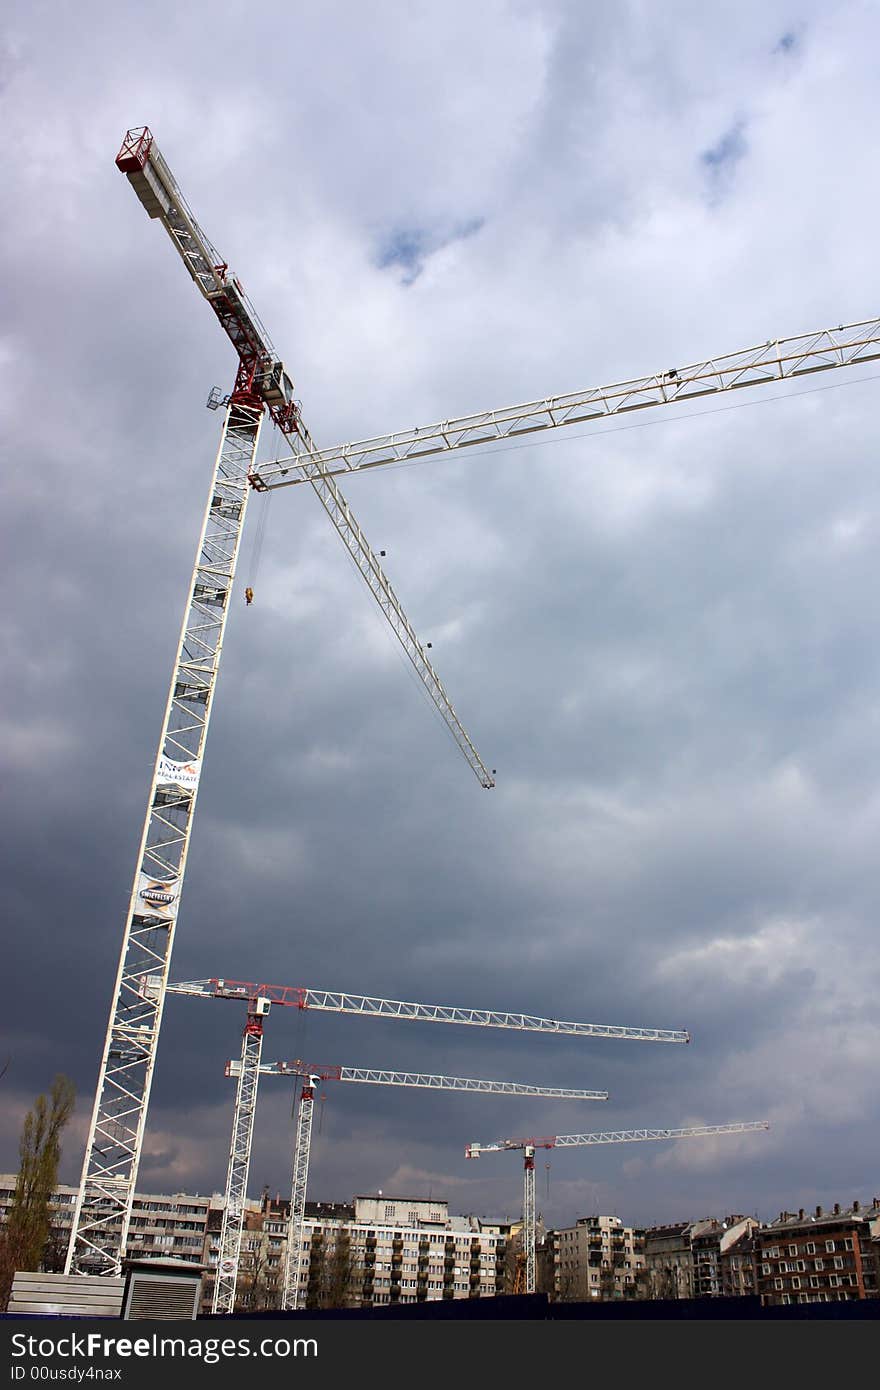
(158, 897)
(180, 774)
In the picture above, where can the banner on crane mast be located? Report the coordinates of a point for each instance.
(181, 774)
(159, 896)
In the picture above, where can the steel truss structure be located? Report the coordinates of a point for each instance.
(370, 1076)
(563, 1141)
(302, 1145)
(250, 1067)
(102, 1213)
(779, 359)
(103, 1206)
(259, 998)
(381, 1076)
(302, 1148)
(232, 1225)
(263, 378)
(370, 1006)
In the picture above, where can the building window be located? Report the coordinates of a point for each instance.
(777, 1283)
(829, 1247)
(811, 1247)
(847, 1243)
(389, 1212)
(792, 1250)
(838, 1262)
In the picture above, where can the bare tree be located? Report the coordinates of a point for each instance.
(338, 1273)
(29, 1221)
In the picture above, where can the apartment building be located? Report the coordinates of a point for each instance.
(738, 1265)
(400, 1250)
(160, 1224)
(669, 1259)
(714, 1245)
(709, 1258)
(829, 1257)
(263, 1253)
(597, 1258)
(373, 1251)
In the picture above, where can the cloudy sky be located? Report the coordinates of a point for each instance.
(662, 636)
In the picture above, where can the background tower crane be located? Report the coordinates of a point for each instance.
(103, 1207)
(227, 1263)
(564, 1141)
(259, 998)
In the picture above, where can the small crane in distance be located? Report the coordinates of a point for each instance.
(567, 1141)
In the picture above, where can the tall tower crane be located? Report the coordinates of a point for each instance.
(103, 1206)
(259, 998)
(566, 1141)
(230, 1235)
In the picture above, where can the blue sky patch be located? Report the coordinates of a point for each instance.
(405, 248)
(728, 151)
(410, 247)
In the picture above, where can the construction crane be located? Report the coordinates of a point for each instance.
(566, 1141)
(102, 1213)
(259, 998)
(370, 1006)
(227, 1263)
(778, 359)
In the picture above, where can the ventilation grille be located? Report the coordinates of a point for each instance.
(153, 1297)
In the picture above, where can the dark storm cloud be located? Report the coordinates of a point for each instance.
(662, 638)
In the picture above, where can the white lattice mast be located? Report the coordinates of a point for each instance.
(302, 1147)
(567, 1141)
(529, 1224)
(244, 1114)
(103, 1206)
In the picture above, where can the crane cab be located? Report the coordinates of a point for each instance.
(276, 386)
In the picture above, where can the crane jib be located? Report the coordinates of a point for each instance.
(780, 359)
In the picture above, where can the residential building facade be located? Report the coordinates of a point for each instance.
(399, 1250)
(160, 1224)
(597, 1258)
(714, 1247)
(829, 1257)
